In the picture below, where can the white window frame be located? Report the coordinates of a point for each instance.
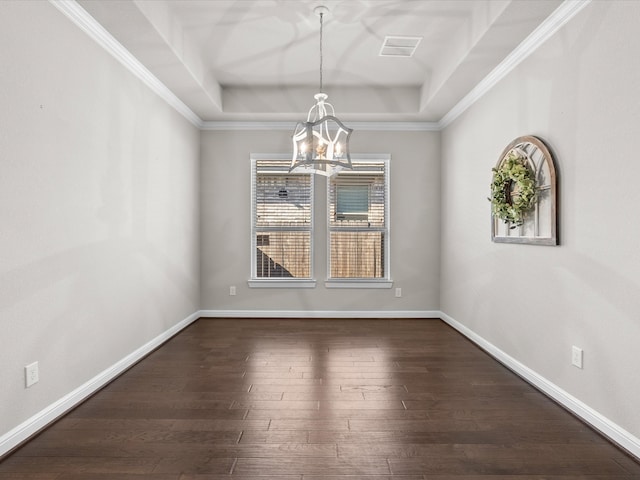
(386, 281)
(271, 282)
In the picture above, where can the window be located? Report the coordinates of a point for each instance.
(281, 225)
(352, 202)
(358, 222)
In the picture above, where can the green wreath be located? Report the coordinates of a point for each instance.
(513, 190)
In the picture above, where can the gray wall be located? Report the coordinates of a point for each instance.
(579, 92)
(415, 219)
(107, 240)
(98, 205)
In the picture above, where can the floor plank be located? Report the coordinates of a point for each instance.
(318, 399)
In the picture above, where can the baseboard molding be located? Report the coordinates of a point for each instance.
(611, 430)
(33, 425)
(606, 427)
(320, 313)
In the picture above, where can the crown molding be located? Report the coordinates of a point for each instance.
(246, 125)
(565, 12)
(396, 126)
(102, 37)
(561, 15)
(289, 126)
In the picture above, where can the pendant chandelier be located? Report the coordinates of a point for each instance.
(321, 144)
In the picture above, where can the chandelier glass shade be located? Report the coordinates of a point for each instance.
(321, 143)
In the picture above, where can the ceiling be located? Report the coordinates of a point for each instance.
(259, 60)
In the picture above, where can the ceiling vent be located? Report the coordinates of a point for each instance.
(399, 46)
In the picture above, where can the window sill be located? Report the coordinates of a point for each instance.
(358, 284)
(277, 283)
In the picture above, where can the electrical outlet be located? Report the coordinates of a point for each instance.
(398, 292)
(576, 356)
(31, 374)
(232, 290)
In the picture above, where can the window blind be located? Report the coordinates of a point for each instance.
(358, 224)
(281, 221)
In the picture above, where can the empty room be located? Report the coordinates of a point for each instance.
(319, 240)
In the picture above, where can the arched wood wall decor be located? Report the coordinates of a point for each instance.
(540, 221)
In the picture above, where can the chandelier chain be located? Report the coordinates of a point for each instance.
(321, 144)
(321, 15)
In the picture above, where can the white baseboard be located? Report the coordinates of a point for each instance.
(320, 313)
(33, 425)
(29, 427)
(609, 429)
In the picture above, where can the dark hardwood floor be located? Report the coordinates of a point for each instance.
(319, 400)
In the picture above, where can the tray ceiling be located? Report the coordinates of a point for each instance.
(259, 59)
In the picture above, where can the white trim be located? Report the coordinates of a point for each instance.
(360, 126)
(259, 282)
(247, 125)
(97, 32)
(279, 283)
(371, 156)
(605, 426)
(286, 156)
(386, 282)
(425, 314)
(358, 284)
(395, 126)
(567, 10)
(31, 426)
(560, 16)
